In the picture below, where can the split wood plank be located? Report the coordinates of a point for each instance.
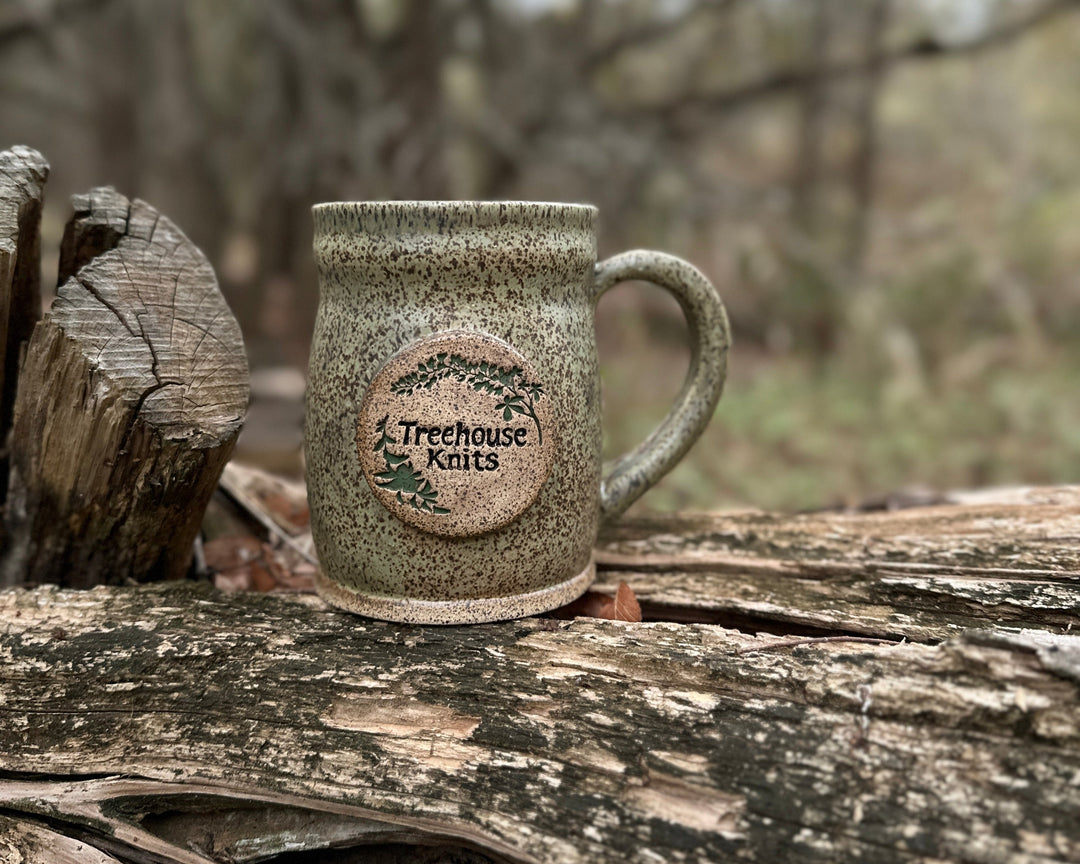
(1007, 557)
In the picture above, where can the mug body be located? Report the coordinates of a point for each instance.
(453, 408)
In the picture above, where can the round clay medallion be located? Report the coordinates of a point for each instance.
(456, 434)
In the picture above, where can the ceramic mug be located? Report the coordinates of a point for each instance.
(453, 405)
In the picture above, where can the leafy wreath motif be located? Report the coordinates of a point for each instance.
(517, 395)
(401, 476)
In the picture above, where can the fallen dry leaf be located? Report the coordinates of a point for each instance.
(261, 578)
(231, 581)
(240, 562)
(626, 606)
(593, 604)
(288, 511)
(231, 552)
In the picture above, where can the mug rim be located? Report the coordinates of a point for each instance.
(452, 204)
(450, 218)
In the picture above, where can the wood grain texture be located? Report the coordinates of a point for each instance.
(1007, 557)
(130, 399)
(23, 173)
(128, 709)
(23, 842)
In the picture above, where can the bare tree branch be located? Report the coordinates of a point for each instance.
(866, 151)
(647, 33)
(783, 81)
(15, 25)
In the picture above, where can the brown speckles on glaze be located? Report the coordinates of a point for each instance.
(393, 273)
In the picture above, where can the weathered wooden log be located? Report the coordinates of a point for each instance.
(174, 723)
(130, 399)
(23, 173)
(1008, 557)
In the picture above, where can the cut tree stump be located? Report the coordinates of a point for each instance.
(171, 722)
(130, 399)
(23, 173)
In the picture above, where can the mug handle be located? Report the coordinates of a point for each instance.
(629, 476)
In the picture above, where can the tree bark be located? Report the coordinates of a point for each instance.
(130, 399)
(23, 173)
(171, 722)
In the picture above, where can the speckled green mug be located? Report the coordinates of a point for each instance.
(453, 405)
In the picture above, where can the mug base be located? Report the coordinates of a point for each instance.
(405, 610)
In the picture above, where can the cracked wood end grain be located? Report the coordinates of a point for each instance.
(172, 718)
(23, 173)
(130, 400)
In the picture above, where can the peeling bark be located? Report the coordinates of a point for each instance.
(130, 399)
(128, 710)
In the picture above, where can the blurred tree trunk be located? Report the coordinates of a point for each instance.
(155, 127)
(811, 123)
(864, 160)
(817, 319)
(115, 103)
